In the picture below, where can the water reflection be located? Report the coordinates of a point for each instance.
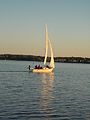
(47, 94)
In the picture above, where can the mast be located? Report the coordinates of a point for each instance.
(46, 44)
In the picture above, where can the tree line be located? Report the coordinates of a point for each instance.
(41, 58)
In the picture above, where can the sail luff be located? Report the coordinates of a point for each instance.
(46, 45)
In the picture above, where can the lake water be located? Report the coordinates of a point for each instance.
(61, 95)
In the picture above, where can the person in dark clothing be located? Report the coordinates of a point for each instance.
(47, 66)
(35, 66)
(29, 67)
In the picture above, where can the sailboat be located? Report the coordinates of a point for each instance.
(51, 66)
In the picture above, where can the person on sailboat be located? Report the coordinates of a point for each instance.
(47, 66)
(35, 66)
(29, 67)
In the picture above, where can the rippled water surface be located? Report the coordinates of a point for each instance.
(61, 95)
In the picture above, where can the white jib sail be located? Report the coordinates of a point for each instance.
(46, 49)
(52, 58)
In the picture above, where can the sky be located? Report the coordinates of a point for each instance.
(22, 27)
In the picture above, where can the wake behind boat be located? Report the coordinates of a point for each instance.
(51, 66)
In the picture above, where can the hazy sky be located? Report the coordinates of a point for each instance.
(22, 26)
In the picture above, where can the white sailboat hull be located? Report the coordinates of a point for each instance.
(43, 70)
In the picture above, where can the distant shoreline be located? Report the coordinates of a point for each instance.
(41, 58)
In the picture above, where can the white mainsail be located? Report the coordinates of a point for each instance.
(46, 40)
(52, 58)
